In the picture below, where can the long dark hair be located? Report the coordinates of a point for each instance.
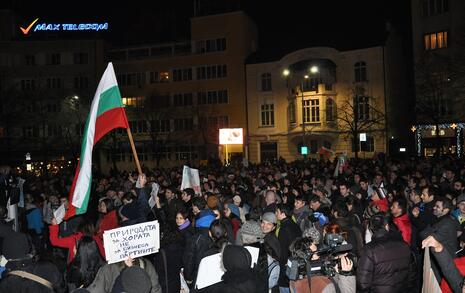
(83, 269)
(219, 233)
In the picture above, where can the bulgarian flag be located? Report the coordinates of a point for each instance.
(106, 113)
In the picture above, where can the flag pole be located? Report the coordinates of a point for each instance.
(134, 152)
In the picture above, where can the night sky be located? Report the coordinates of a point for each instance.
(287, 24)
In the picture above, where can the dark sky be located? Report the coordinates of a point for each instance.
(290, 23)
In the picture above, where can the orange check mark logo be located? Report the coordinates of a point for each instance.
(26, 30)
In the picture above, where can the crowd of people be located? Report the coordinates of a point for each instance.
(319, 226)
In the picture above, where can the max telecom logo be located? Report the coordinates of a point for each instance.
(64, 27)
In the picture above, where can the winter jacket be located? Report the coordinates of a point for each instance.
(34, 219)
(301, 217)
(71, 242)
(196, 249)
(385, 265)
(288, 232)
(168, 262)
(106, 276)
(405, 227)
(445, 231)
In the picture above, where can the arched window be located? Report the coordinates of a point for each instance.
(266, 82)
(360, 69)
(330, 109)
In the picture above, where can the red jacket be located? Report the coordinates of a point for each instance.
(71, 241)
(405, 227)
(460, 264)
(108, 222)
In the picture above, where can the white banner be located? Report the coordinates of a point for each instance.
(134, 241)
(154, 195)
(190, 179)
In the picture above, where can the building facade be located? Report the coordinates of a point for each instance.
(323, 99)
(179, 95)
(438, 28)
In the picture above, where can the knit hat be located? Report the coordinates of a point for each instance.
(129, 211)
(251, 232)
(237, 199)
(234, 209)
(132, 280)
(204, 219)
(270, 218)
(236, 257)
(212, 202)
(370, 211)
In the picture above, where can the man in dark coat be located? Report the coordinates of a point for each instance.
(385, 264)
(287, 233)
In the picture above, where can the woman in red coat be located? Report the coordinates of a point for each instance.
(108, 218)
(71, 242)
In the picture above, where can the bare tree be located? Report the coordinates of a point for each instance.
(359, 115)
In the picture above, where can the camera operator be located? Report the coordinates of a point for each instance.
(327, 269)
(386, 264)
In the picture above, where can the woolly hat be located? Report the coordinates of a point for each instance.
(237, 199)
(204, 219)
(212, 202)
(370, 211)
(234, 209)
(270, 218)
(461, 198)
(236, 257)
(251, 232)
(132, 280)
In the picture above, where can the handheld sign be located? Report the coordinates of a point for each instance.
(190, 179)
(59, 214)
(131, 241)
(153, 195)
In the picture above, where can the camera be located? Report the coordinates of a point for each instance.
(301, 265)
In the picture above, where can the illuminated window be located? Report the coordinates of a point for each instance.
(164, 76)
(132, 101)
(362, 107)
(360, 69)
(311, 110)
(434, 41)
(267, 115)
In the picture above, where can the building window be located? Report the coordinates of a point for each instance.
(212, 97)
(313, 146)
(28, 84)
(311, 84)
(267, 115)
(362, 108)
(81, 58)
(215, 122)
(330, 109)
(81, 82)
(434, 7)
(292, 116)
(30, 60)
(133, 101)
(55, 59)
(185, 152)
(162, 125)
(364, 146)
(211, 72)
(311, 110)
(182, 74)
(213, 45)
(164, 76)
(360, 69)
(182, 99)
(53, 83)
(138, 126)
(266, 82)
(434, 41)
(183, 124)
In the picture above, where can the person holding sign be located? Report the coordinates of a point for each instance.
(107, 275)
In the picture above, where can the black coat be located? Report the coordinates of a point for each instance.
(385, 265)
(168, 262)
(196, 249)
(288, 232)
(445, 231)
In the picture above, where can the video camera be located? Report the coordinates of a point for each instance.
(302, 265)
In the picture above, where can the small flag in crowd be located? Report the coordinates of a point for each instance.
(106, 113)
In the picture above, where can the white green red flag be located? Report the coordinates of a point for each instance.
(106, 113)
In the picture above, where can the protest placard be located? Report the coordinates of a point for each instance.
(154, 194)
(134, 241)
(190, 179)
(211, 269)
(59, 214)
